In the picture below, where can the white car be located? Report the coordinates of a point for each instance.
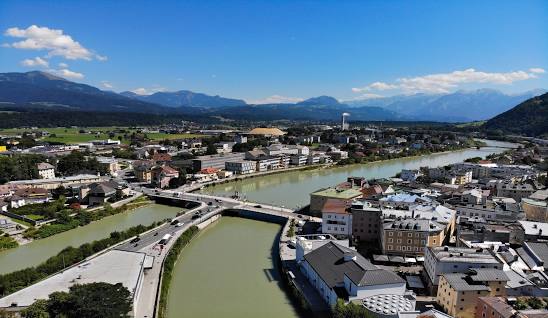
(180, 224)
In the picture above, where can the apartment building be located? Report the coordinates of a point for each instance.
(410, 237)
(215, 161)
(515, 191)
(336, 220)
(320, 197)
(458, 292)
(366, 222)
(444, 259)
(240, 167)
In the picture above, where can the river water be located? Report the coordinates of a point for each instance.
(38, 251)
(228, 271)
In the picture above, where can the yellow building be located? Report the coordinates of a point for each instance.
(458, 292)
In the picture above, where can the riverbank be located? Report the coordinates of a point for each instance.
(80, 219)
(70, 256)
(38, 251)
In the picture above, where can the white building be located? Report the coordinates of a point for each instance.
(240, 167)
(336, 220)
(46, 170)
(333, 267)
(410, 175)
(299, 160)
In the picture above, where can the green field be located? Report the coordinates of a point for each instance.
(73, 136)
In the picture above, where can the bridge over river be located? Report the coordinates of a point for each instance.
(143, 258)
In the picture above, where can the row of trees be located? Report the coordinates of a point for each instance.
(77, 162)
(19, 167)
(84, 301)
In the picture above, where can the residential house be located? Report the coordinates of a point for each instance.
(46, 170)
(162, 175)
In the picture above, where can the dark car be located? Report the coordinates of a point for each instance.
(135, 240)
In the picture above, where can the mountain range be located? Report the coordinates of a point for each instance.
(41, 91)
(460, 106)
(185, 99)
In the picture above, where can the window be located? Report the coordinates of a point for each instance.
(390, 233)
(389, 247)
(398, 241)
(390, 240)
(399, 234)
(329, 216)
(409, 241)
(409, 234)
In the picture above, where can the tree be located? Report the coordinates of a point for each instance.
(84, 301)
(211, 149)
(37, 310)
(99, 300)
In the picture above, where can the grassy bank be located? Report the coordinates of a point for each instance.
(82, 218)
(169, 264)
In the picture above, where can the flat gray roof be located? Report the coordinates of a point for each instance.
(112, 267)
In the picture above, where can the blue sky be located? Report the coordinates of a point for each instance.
(281, 50)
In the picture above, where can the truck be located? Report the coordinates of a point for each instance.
(165, 239)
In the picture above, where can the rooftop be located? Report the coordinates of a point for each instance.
(338, 193)
(330, 264)
(266, 131)
(55, 180)
(112, 267)
(463, 255)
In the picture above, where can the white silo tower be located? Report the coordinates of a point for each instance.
(344, 124)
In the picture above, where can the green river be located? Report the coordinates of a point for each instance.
(228, 271)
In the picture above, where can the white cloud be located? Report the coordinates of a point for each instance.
(63, 65)
(445, 82)
(66, 73)
(37, 61)
(275, 99)
(537, 70)
(55, 42)
(107, 84)
(148, 91)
